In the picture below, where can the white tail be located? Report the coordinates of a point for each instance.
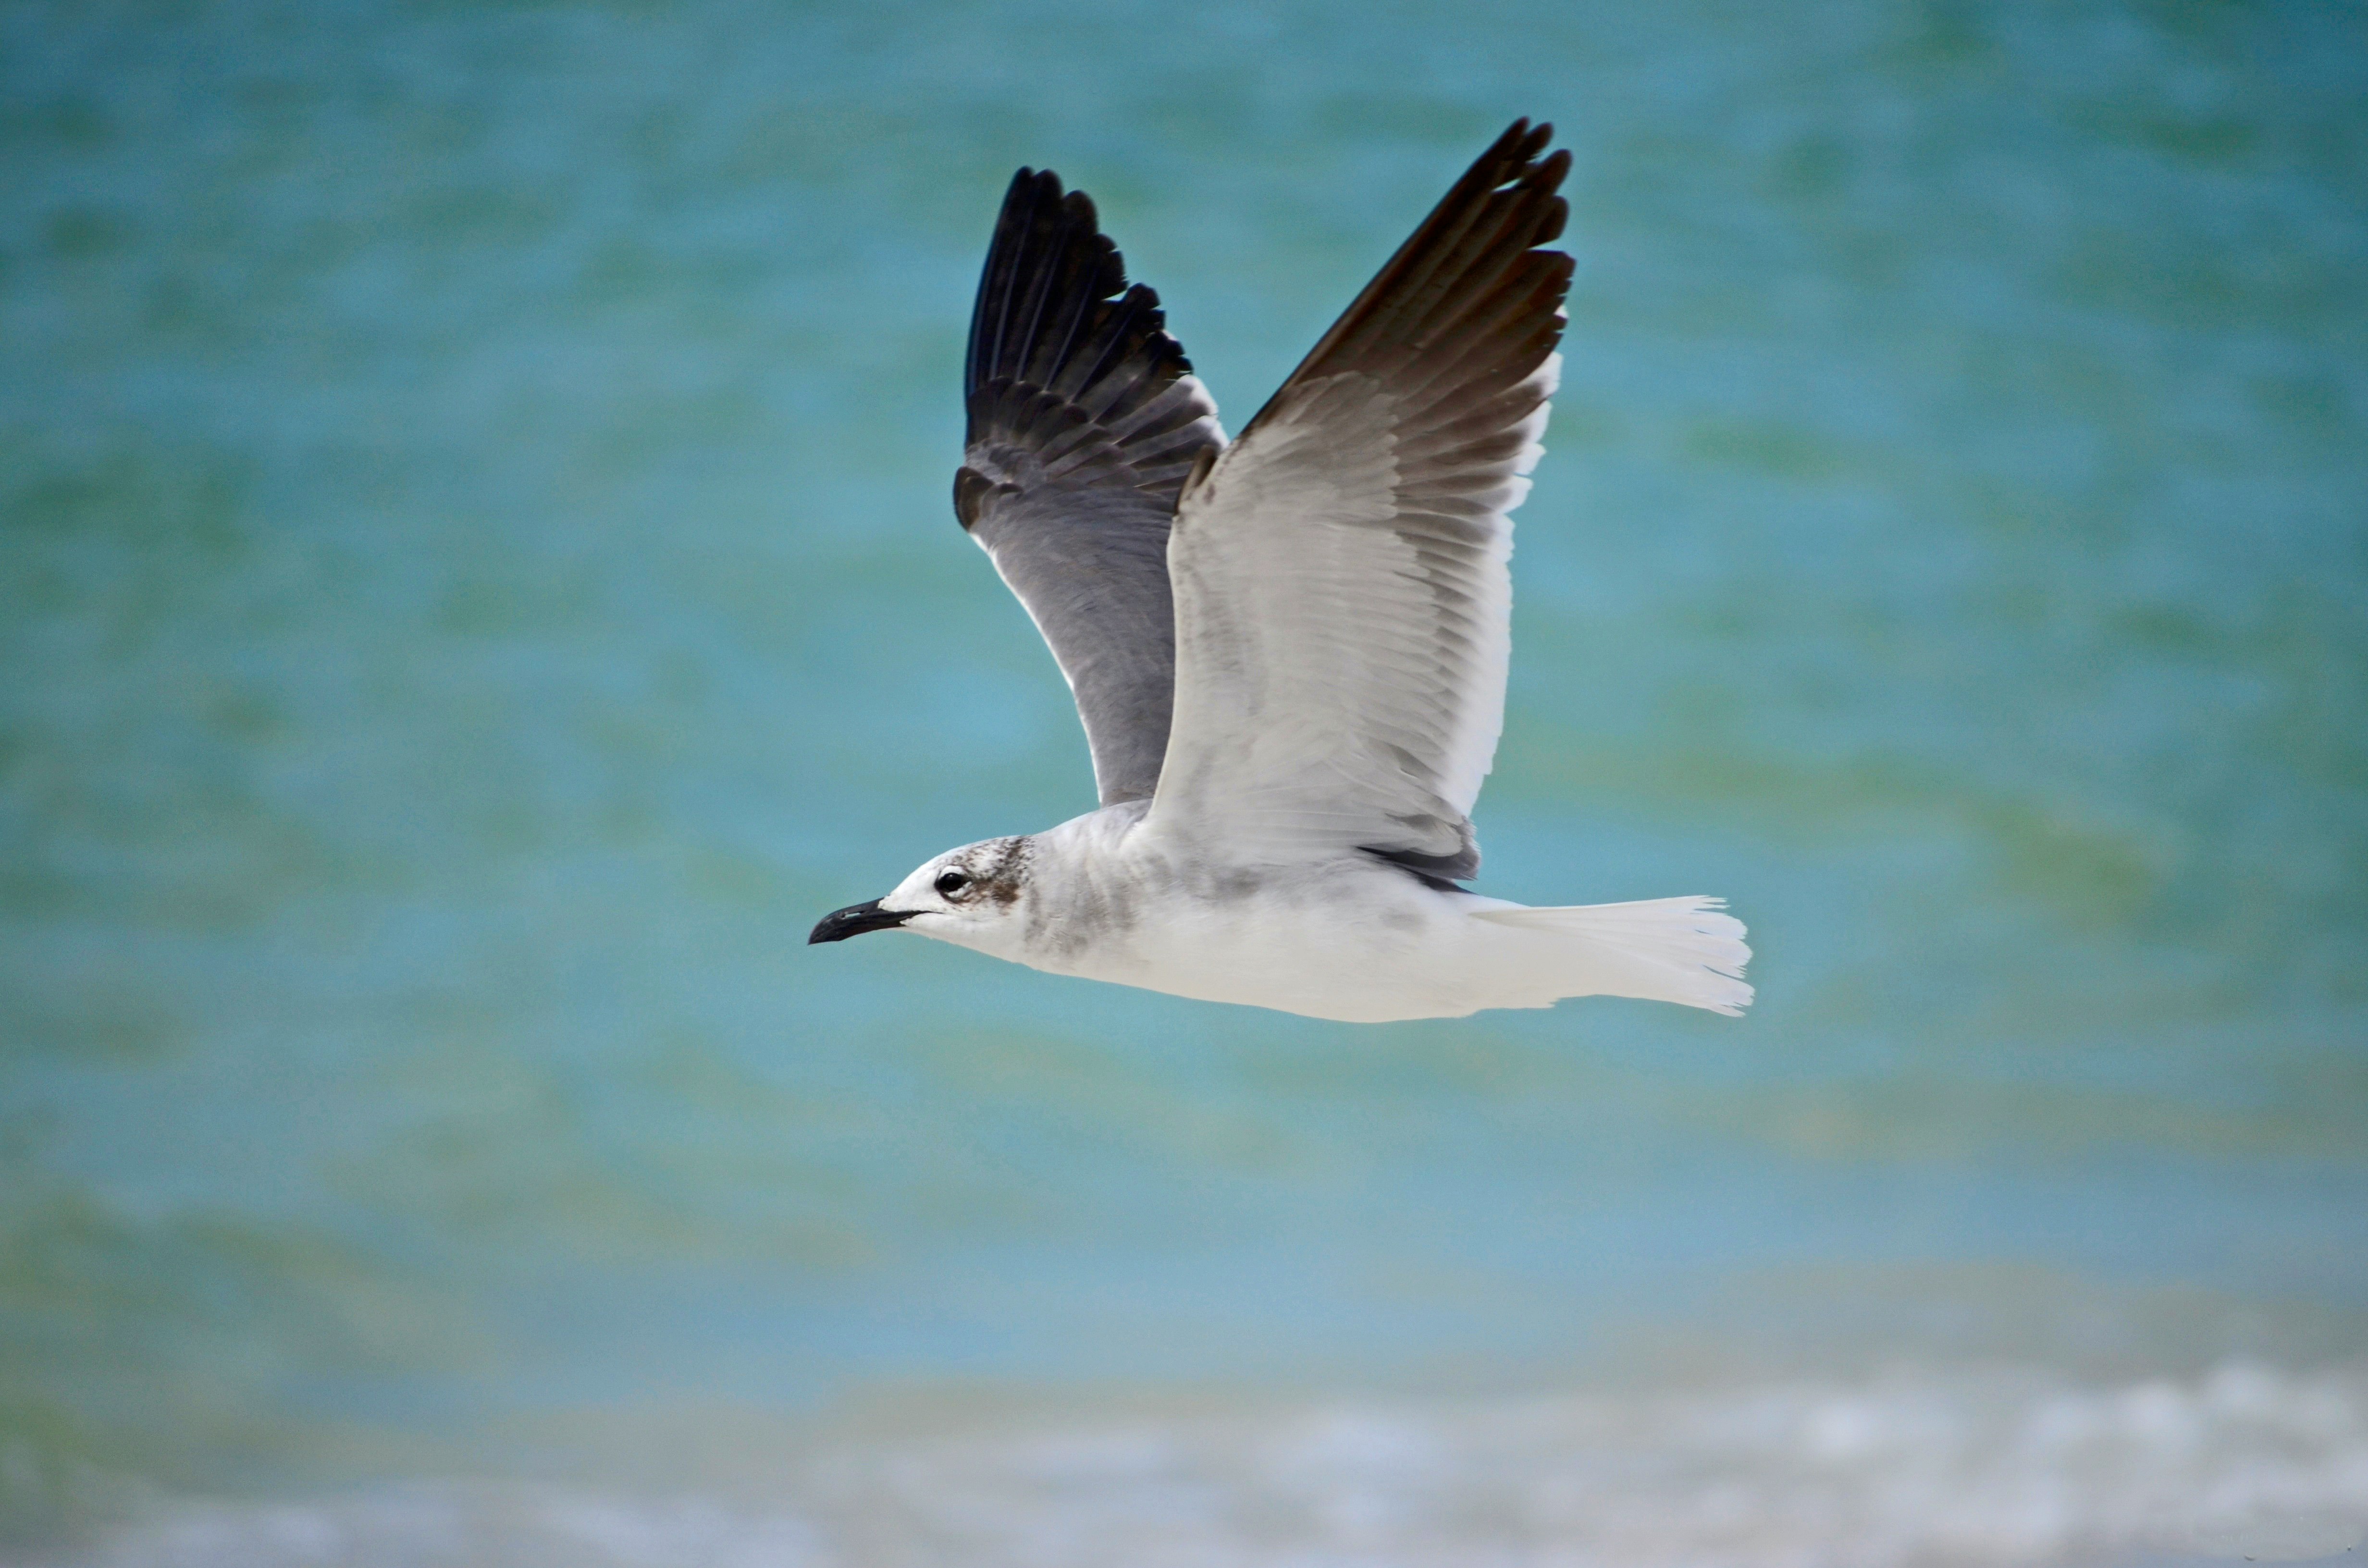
(1664, 949)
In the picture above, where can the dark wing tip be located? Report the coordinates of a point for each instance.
(1059, 337)
(1469, 298)
(1518, 143)
(1047, 265)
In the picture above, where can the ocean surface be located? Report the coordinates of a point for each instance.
(477, 581)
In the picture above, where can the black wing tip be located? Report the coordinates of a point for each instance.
(1032, 190)
(1520, 143)
(1056, 313)
(1473, 275)
(1519, 161)
(1031, 184)
(1515, 163)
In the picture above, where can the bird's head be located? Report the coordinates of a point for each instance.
(973, 896)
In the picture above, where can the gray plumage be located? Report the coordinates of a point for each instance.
(1342, 570)
(1083, 420)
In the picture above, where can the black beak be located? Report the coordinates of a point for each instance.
(855, 919)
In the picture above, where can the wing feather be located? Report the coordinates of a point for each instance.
(1085, 419)
(1342, 573)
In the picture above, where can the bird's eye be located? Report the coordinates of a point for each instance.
(951, 882)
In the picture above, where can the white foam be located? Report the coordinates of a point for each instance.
(1965, 1467)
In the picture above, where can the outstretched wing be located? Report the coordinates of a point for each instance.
(1341, 570)
(1085, 419)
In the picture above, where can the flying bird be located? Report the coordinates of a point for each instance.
(1288, 649)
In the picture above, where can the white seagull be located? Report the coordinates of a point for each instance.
(1288, 649)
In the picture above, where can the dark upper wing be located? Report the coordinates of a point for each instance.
(1343, 600)
(1085, 419)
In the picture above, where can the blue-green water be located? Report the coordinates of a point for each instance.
(478, 581)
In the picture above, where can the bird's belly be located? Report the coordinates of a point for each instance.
(1395, 950)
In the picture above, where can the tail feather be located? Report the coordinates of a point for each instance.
(1663, 949)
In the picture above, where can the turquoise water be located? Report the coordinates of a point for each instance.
(478, 582)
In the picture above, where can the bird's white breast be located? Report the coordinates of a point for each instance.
(1349, 938)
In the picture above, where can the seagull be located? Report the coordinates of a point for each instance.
(1288, 649)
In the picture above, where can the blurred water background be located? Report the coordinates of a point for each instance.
(478, 581)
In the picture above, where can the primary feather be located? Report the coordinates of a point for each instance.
(1083, 420)
(1343, 597)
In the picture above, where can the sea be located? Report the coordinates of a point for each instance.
(477, 581)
